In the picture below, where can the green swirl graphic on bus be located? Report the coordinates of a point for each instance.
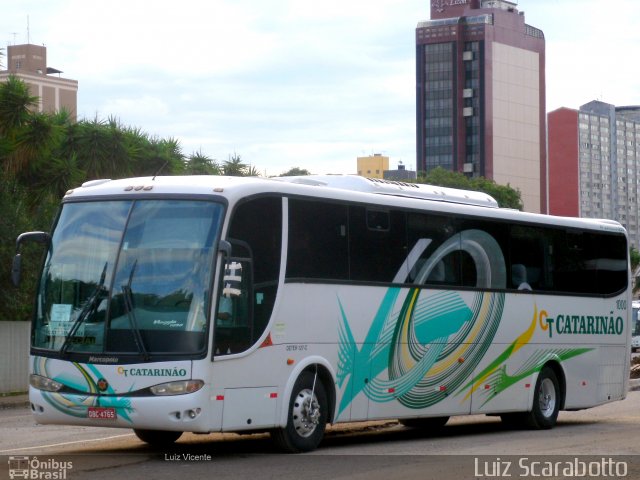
(495, 373)
(418, 339)
(78, 405)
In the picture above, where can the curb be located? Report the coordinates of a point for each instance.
(634, 385)
(14, 401)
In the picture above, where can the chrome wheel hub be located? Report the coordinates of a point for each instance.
(305, 413)
(547, 397)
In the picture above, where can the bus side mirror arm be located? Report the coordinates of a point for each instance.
(16, 267)
(224, 247)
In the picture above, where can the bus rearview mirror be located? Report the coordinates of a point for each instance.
(16, 270)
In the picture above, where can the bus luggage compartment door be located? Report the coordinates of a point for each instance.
(249, 408)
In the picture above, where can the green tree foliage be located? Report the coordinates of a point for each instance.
(505, 195)
(634, 257)
(199, 164)
(252, 171)
(295, 172)
(19, 215)
(16, 124)
(234, 167)
(43, 155)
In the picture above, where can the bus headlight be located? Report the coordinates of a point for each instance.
(44, 383)
(177, 388)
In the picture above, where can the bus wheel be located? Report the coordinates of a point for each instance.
(157, 438)
(306, 418)
(427, 423)
(546, 401)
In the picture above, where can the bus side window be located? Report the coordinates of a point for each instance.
(531, 258)
(377, 243)
(318, 240)
(255, 233)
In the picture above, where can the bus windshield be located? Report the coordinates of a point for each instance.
(128, 277)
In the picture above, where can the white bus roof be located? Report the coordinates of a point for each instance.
(339, 187)
(350, 183)
(402, 189)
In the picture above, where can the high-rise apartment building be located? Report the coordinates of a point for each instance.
(29, 63)
(481, 95)
(594, 164)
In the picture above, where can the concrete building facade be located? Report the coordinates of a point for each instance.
(480, 102)
(594, 164)
(373, 166)
(28, 62)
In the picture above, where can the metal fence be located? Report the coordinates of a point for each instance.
(14, 357)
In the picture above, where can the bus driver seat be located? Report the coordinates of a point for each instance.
(519, 277)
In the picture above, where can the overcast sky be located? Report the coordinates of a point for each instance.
(293, 83)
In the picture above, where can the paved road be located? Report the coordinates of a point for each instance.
(465, 448)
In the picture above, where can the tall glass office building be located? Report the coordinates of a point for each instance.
(481, 95)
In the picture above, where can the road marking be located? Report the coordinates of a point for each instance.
(65, 443)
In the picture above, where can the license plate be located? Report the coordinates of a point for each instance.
(102, 413)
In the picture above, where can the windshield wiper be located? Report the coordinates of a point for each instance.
(128, 306)
(90, 306)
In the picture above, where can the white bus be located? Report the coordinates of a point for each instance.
(216, 304)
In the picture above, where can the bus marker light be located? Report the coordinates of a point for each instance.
(219, 397)
(527, 385)
(273, 395)
(442, 388)
(460, 360)
(290, 361)
(392, 390)
(487, 387)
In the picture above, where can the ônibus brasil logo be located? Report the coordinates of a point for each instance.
(34, 468)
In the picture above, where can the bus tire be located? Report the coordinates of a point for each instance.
(306, 416)
(425, 423)
(546, 401)
(157, 438)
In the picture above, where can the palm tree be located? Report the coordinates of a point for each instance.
(199, 164)
(102, 149)
(234, 166)
(294, 172)
(252, 171)
(164, 157)
(34, 143)
(16, 103)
